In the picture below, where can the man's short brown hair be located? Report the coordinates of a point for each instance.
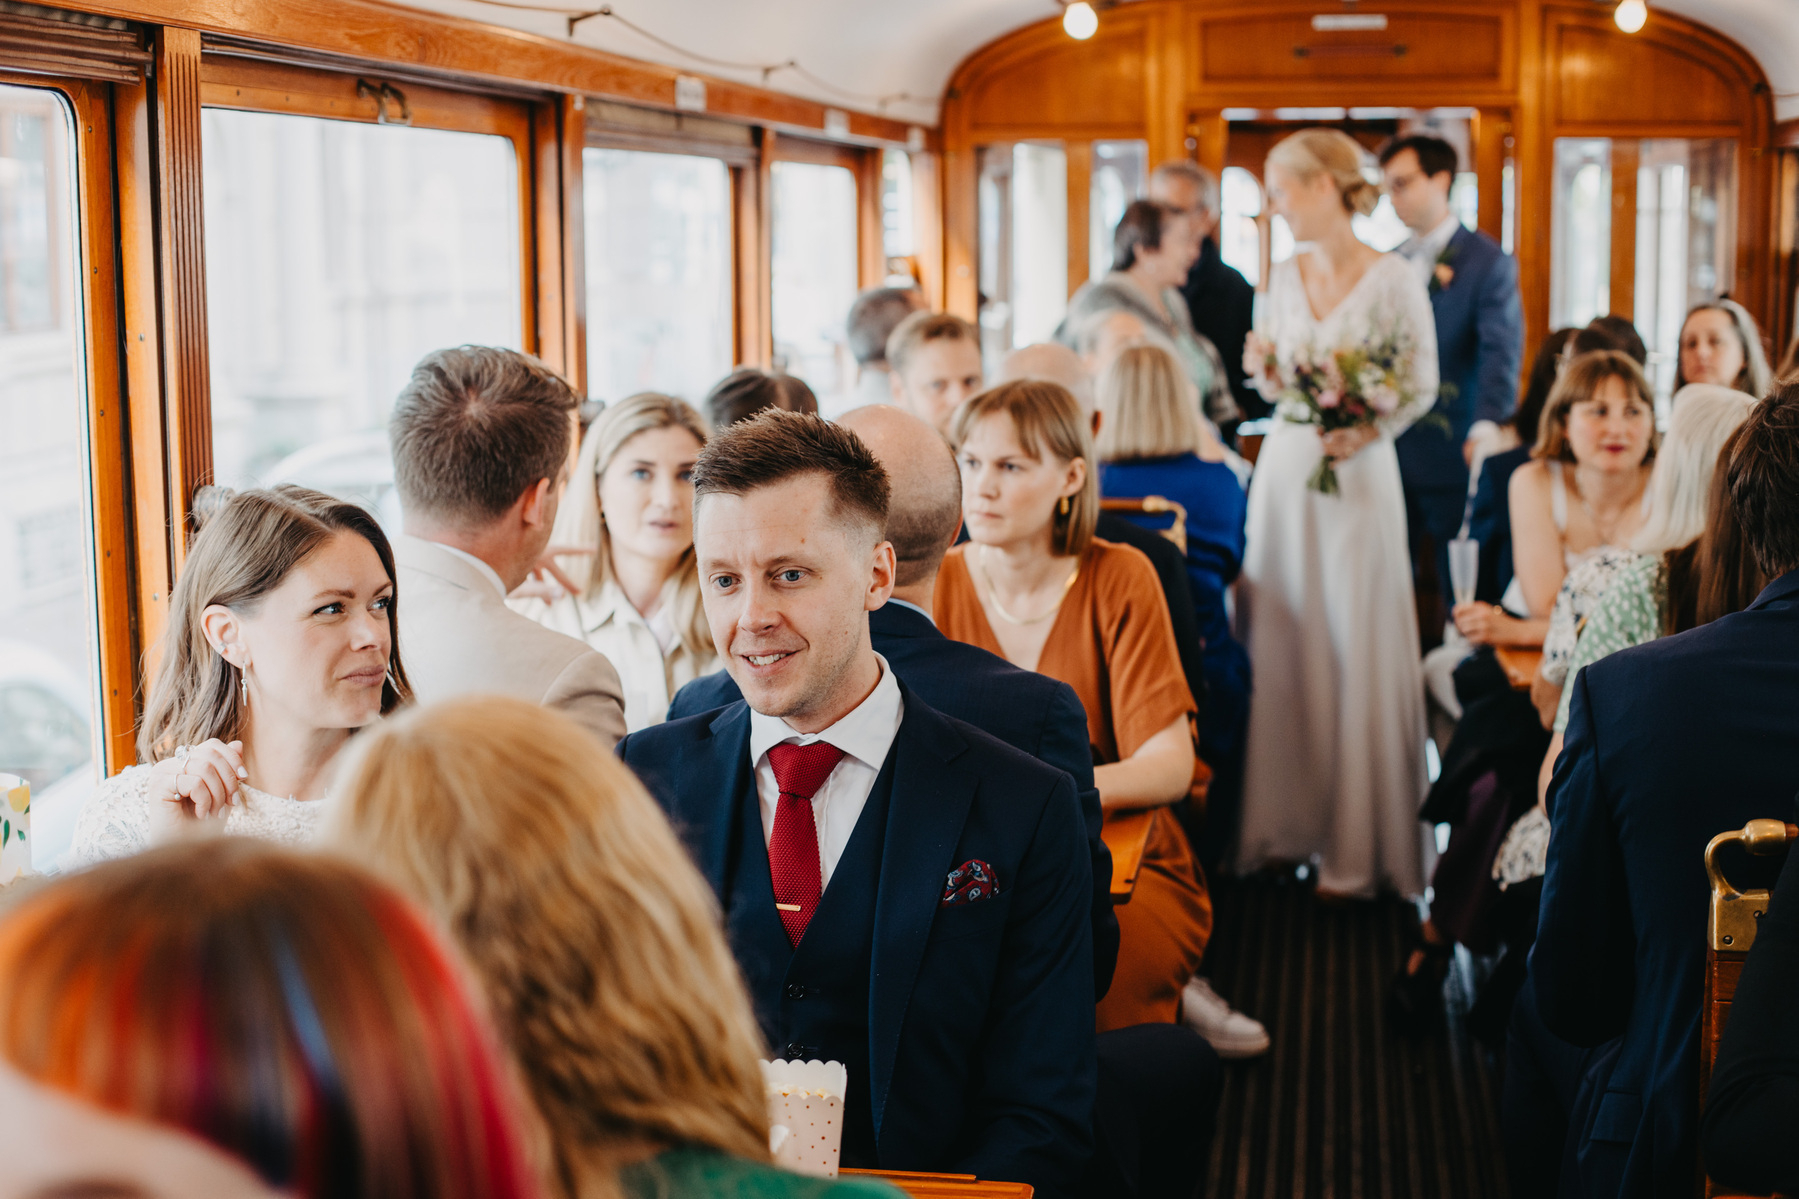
(474, 428)
(921, 327)
(776, 445)
(1764, 480)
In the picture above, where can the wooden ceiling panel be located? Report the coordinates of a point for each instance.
(1093, 85)
(1468, 48)
(1604, 77)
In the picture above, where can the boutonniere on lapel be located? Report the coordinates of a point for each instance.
(1442, 275)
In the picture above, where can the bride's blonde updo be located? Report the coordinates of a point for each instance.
(1313, 152)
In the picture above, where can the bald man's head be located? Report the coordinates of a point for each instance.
(926, 506)
(1051, 362)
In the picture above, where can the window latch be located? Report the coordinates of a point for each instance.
(382, 93)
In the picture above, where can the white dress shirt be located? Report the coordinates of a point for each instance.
(864, 735)
(1423, 251)
(488, 572)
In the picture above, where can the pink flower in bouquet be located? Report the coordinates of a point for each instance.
(1330, 397)
(1383, 399)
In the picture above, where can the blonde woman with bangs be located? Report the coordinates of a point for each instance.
(631, 500)
(596, 942)
(1152, 441)
(1034, 586)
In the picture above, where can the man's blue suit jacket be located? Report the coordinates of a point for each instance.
(1668, 744)
(1480, 349)
(1028, 711)
(980, 1016)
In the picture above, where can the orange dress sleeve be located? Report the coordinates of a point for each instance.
(1148, 692)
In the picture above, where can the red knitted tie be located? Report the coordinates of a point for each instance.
(793, 863)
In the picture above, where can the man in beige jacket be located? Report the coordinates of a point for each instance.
(481, 440)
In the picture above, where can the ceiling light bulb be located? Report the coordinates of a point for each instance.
(1630, 15)
(1080, 22)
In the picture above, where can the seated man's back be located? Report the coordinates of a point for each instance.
(1668, 744)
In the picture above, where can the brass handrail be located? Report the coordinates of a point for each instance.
(1734, 913)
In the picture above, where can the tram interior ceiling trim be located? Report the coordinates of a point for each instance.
(46, 41)
(224, 45)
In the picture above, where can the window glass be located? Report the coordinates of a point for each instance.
(1023, 205)
(1239, 237)
(814, 275)
(1580, 247)
(1120, 175)
(659, 273)
(1686, 208)
(48, 636)
(337, 255)
(899, 225)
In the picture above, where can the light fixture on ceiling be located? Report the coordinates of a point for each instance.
(1080, 22)
(1631, 15)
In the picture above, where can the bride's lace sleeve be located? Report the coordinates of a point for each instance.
(1402, 298)
(115, 822)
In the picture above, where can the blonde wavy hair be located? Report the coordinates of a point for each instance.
(579, 520)
(598, 943)
(1148, 406)
(1313, 152)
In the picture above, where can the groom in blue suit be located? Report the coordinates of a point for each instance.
(1473, 287)
(903, 893)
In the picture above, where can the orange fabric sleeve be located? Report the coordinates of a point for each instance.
(1148, 690)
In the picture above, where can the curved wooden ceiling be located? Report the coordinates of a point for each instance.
(896, 56)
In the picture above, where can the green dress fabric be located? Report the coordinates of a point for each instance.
(1630, 612)
(690, 1173)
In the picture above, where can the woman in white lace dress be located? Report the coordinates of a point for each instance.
(1335, 766)
(279, 646)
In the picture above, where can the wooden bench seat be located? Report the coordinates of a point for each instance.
(1519, 663)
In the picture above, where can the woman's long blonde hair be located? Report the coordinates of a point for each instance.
(1313, 152)
(579, 521)
(598, 942)
(249, 543)
(1148, 407)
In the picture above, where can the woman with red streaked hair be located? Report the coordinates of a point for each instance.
(286, 1010)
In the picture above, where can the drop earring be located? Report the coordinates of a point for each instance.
(1062, 506)
(243, 687)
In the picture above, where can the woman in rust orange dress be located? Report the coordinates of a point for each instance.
(1036, 587)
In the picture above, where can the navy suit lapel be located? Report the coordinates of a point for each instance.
(924, 825)
(724, 759)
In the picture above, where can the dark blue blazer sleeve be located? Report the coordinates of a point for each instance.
(1583, 964)
(1499, 332)
(1031, 1116)
(1065, 747)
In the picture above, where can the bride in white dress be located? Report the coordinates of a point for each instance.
(1335, 761)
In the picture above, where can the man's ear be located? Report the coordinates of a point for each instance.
(224, 632)
(534, 504)
(882, 577)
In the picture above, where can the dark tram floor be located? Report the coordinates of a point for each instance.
(1342, 1106)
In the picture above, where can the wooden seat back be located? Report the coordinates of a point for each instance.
(1730, 933)
(1155, 505)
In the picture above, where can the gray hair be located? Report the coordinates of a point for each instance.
(1198, 176)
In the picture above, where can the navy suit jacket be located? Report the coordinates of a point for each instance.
(980, 1016)
(1028, 711)
(1480, 349)
(1668, 744)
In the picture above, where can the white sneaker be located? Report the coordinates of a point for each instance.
(1234, 1035)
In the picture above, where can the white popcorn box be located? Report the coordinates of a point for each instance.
(805, 1114)
(15, 825)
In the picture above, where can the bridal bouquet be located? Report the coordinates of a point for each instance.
(1344, 388)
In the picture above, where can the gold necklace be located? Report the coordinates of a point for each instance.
(999, 609)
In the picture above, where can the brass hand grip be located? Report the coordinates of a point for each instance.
(1734, 913)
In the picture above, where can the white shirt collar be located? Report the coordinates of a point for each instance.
(865, 733)
(893, 599)
(492, 575)
(1431, 245)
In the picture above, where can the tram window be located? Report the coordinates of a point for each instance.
(659, 276)
(1120, 175)
(1686, 239)
(337, 255)
(1023, 204)
(814, 274)
(48, 636)
(898, 214)
(1239, 237)
(1580, 247)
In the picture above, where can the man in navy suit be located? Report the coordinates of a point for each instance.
(1473, 288)
(904, 893)
(1668, 744)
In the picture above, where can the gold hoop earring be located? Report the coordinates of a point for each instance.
(1062, 506)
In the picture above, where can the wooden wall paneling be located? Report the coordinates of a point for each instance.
(1210, 134)
(871, 227)
(540, 239)
(107, 424)
(1626, 153)
(927, 214)
(1040, 78)
(181, 273)
(750, 186)
(1784, 287)
(959, 204)
(1164, 87)
(1492, 130)
(571, 142)
(154, 527)
(1080, 219)
(1533, 179)
(1270, 46)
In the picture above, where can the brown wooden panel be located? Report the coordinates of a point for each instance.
(232, 82)
(1095, 85)
(1466, 47)
(1610, 78)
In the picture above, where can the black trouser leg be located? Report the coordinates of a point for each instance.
(1155, 1113)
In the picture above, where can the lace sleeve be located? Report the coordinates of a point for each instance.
(1402, 298)
(115, 822)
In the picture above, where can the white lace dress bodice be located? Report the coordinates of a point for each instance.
(118, 818)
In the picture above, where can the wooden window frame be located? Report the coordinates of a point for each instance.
(864, 165)
(105, 404)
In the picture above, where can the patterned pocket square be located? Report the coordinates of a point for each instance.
(970, 882)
